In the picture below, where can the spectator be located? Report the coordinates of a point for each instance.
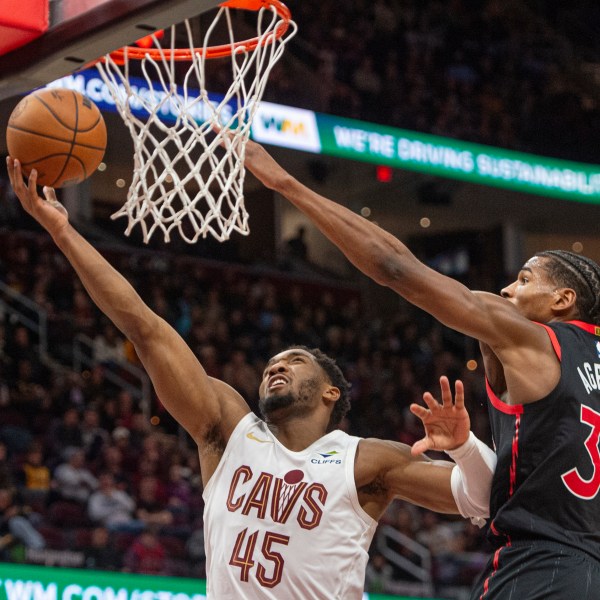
(379, 575)
(150, 506)
(100, 553)
(146, 554)
(21, 347)
(240, 375)
(113, 508)
(179, 490)
(65, 432)
(72, 479)
(35, 476)
(407, 523)
(140, 429)
(93, 436)
(130, 457)
(438, 537)
(15, 526)
(126, 408)
(111, 461)
(109, 346)
(30, 394)
(195, 546)
(296, 246)
(6, 474)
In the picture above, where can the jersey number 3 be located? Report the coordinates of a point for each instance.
(587, 489)
(243, 556)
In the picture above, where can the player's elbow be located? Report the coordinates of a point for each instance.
(144, 329)
(393, 271)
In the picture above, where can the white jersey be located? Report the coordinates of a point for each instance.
(285, 525)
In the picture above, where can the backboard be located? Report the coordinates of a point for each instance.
(80, 31)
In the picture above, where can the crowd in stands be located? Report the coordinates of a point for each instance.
(82, 466)
(501, 73)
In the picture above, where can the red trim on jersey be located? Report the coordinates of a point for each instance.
(517, 409)
(593, 329)
(509, 409)
(515, 455)
(495, 562)
(553, 339)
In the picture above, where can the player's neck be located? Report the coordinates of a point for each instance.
(297, 433)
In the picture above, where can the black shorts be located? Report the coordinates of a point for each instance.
(538, 571)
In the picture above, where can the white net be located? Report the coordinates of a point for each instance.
(188, 147)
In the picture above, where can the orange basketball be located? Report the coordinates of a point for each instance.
(61, 133)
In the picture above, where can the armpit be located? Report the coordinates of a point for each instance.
(374, 488)
(213, 440)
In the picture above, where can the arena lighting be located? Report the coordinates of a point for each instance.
(384, 173)
(305, 130)
(577, 247)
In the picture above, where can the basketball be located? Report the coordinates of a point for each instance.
(60, 133)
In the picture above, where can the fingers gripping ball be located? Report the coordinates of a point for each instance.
(60, 133)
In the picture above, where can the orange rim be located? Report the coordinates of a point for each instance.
(136, 53)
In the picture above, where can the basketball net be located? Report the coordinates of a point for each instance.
(189, 169)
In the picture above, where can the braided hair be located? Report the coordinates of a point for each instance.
(337, 379)
(582, 274)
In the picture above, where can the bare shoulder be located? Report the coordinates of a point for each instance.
(521, 358)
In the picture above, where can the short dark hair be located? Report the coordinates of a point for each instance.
(582, 274)
(337, 379)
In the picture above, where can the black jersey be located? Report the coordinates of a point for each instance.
(547, 479)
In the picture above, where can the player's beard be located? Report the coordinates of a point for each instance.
(296, 403)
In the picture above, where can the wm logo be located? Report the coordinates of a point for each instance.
(284, 126)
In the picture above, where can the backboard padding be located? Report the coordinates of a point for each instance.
(69, 45)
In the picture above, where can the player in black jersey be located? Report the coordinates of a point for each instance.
(540, 340)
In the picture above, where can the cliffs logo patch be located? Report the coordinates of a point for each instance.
(326, 458)
(598, 349)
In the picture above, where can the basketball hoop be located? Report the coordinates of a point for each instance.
(188, 147)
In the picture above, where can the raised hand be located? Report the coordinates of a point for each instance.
(263, 166)
(47, 211)
(447, 425)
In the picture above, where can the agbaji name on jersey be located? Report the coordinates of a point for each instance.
(590, 375)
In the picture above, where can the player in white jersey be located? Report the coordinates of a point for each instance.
(291, 502)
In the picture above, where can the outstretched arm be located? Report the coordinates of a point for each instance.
(208, 409)
(389, 262)
(386, 470)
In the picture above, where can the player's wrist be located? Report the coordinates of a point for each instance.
(61, 233)
(464, 448)
(472, 477)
